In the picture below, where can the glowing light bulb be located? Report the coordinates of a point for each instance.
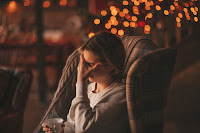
(178, 19)
(112, 8)
(113, 30)
(180, 15)
(63, 2)
(113, 18)
(134, 18)
(147, 27)
(125, 11)
(150, 15)
(137, 3)
(166, 12)
(97, 21)
(12, 7)
(121, 14)
(126, 24)
(27, 3)
(91, 34)
(46, 4)
(103, 13)
(179, 25)
(172, 7)
(158, 7)
(125, 2)
(195, 19)
(133, 24)
(108, 25)
(121, 32)
(114, 12)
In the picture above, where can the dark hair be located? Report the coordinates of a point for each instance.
(110, 49)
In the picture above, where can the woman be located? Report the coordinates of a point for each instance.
(99, 107)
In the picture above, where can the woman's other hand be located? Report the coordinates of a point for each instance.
(47, 129)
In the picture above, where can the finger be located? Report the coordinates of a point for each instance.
(46, 129)
(44, 125)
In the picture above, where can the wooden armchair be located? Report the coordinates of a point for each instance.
(15, 87)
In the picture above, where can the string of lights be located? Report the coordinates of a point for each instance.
(137, 13)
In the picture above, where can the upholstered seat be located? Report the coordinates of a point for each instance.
(135, 46)
(147, 85)
(15, 86)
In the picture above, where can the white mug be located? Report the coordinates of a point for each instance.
(54, 124)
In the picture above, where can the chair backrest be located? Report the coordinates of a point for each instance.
(147, 84)
(135, 46)
(16, 86)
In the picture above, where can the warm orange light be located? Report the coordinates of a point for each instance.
(118, 10)
(46, 4)
(125, 11)
(126, 24)
(185, 9)
(158, 7)
(114, 12)
(113, 30)
(186, 5)
(125, 2)
(137, 3)
(172, 7)
(147, 7)
(97, 21)
(133, 24)
(133, 0)
(147, 27)
(150, 15)
(63, 2)
(115, 23)
(146, 32)
(178, 19)
(135, 8)
(103, 13)
(108, 25)
(195, 19)
(112, 8)
(188, 17)
(176, 3)
(12, 7)
(27, 2)
(171, 11)
(151, 3)
(113, 18)
(121, 32)
(192, 9)
(121, 14)
(195, 13)
(91, 34)
(191, 4)
(127, 16)
(180, 15)
(179, 25)
(160, 0)
(196, 9)
(134, 18)
(166, 12)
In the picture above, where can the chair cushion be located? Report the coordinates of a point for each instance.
(135, 47)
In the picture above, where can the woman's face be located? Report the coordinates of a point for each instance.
(101, 73)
